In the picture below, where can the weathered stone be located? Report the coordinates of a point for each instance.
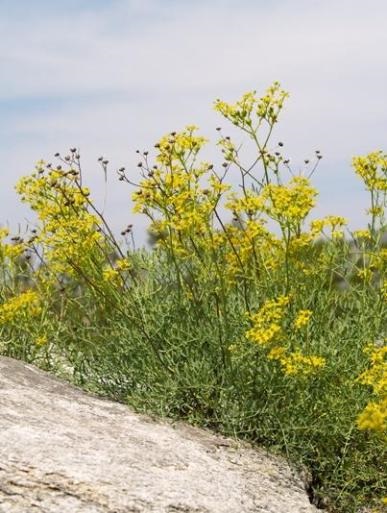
(62, 450)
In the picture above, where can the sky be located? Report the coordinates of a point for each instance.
(112, 76)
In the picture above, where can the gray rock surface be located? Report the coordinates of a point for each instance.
(62, 451)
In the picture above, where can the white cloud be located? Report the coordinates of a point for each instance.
(120, 76)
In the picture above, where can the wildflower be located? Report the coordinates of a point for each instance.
(297, 364)
(110, 274)
(372, 168)
(302, 319)
(374, 416)
(289, 204)
(362, 234)
(41, 340)
(26, 303)
(249, 109)
(333, 222)
(266, 326)
(123, 264)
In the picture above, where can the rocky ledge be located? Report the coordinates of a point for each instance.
(65, 451)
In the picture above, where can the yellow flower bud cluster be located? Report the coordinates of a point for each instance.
(249, 110)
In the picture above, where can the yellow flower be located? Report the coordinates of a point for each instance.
(41, 340)
(333, 222)
(297, 364)
(276, 353)
(373, 417)
(110, 275)
(372, 168)
(26, 303)
(362, 234)
(289, 204)
(4, 232)
(123, 264)
(249, 109)
(266, 323)
(302, 318)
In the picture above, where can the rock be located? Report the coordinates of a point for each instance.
(62, 450)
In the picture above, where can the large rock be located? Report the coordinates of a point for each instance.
(62, 450)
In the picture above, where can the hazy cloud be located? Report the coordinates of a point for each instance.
(113, 76)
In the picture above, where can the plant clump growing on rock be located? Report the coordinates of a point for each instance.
(246, 315)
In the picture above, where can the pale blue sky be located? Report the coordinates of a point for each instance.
(110, 76)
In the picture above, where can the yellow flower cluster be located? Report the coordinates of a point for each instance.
(110, 274)
(374, 416)
(372, 168)
(289, 204)
(13, 250)
(302, 318)
(334, 223)
(175, 196)
(266, 322)
(116, 274)
(42, 340)
(267, 331)
(176, 147)
(15, 308)
(250, 109)
(295, 363)
(362, 235)
(68, 232)
(249, 204)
